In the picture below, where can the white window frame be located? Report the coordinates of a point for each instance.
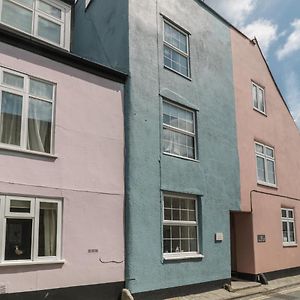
(25, 93)
(179, 51)
(288, 220)
(181, 255)
(34, 216)
(175, 129)
(64, 22)
(265, 157)
(263, 96)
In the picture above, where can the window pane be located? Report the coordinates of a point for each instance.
(175, 61)
(10, 119)
(290, 213)
(285, 231)
(283, 213)
(184, 232)
(269, 152)
(271, 171)
(167, 246)
(167, 232)
(39, 125)
(13, 80)
(27, 3)
(259, 148)
(19, 206)
(260, 168)
(16, 16)
(193, 245)
(49, 30)
(291, 229)
(254, 96)
(261, 105)
(47, 229)
(50, 9)
(18, 239)
(175, 38)
(41, 89)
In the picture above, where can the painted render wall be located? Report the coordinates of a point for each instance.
(87, 173)
(100, 33)
(276, 129)
(215, 175)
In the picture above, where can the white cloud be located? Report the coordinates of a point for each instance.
(235, 11)
(265, 32)
(293, 41)
(292, 91)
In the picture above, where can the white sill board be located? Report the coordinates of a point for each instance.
(29, 152)
(31, 263)
(183, 256)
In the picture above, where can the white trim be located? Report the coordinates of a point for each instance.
(183, 255)
(34, 214)
(64, 22)
(191, 134)
(179, 51)
(30, 262)
(25, 94)
(265, 158)
(257, 86)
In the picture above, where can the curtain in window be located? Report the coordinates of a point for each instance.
(10, 118)
(47, 229)
(39, 125)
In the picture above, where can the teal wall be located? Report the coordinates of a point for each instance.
(215, 175)
(100, 33)
(103, 34)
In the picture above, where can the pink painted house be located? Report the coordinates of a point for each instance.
(61, 162)
(266, 233)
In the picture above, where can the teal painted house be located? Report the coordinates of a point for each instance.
(182, 171)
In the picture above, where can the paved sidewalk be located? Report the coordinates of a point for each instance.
(244, 290)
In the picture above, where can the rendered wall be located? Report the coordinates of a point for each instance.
(276, 129)
(87, 174)
(215, 175)
(100, 33)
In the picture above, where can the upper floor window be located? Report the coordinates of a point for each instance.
(176, 49)
(48, 20)
(26, 112)
(31, 229)
(258, 96)
(288, 226)
(178, 131)
(265, 162)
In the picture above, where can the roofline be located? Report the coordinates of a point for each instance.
(255, 42)
(34, 45)
(211, 10)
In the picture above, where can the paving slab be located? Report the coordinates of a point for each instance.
(245, 290)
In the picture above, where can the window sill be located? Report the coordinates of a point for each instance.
(31, 263)
(28, 152)
(259, 111)
(182, 75)
(270, 185)
(182, 157)
(288, 245)
(183, 256)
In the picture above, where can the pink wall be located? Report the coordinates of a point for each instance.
(88, 174)
(277, 129)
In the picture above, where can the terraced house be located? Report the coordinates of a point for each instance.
(61, 160)
(182, 169)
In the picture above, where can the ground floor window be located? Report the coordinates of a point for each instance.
(31, 228)
(180, 225)
(288, 226)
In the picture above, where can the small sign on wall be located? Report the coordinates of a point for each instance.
(261, 238)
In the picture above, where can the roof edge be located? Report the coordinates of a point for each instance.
(34, 45)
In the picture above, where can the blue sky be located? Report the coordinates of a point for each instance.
(276, 25)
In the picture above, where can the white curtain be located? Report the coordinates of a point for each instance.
(10, 118)
(39, 126)
(50, 232)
